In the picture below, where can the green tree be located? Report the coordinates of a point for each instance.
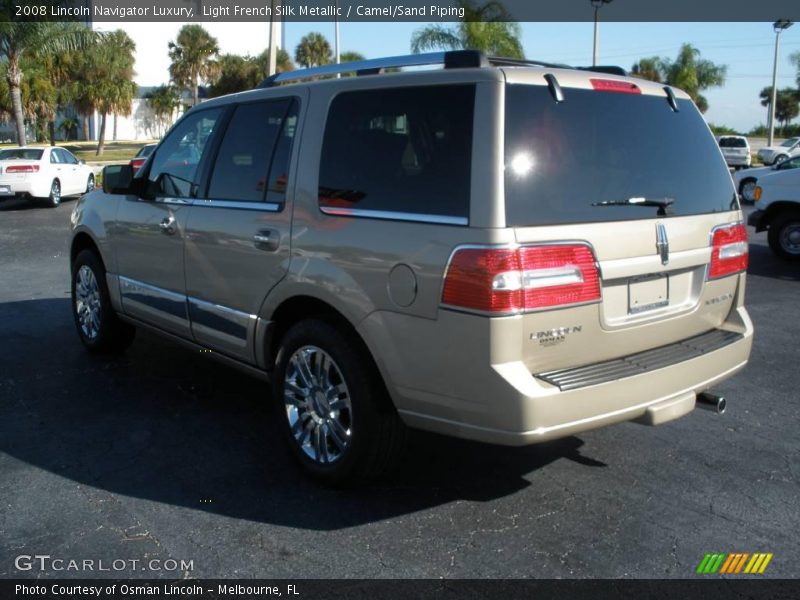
(688, 72)
(795, 59)
(351, 56)
(648, 68)
(37, 93)
(19, 39)
(313, 50)
(787, 104)
(193, 55)
(283, 62)
(103, 80)
(486, 27)
(68, 127)
(164, 101)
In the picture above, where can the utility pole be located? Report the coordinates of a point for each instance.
(274, 28)
(779, 26)
(597, 4)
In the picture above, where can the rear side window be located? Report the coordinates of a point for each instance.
(406, 151)
(253, 158)
(732, 142)
(562, 159)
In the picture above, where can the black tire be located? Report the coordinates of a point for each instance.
(90, 184)
(780, 158)
(106, 334)
(376, 435)
(54, 199)
(784, 235)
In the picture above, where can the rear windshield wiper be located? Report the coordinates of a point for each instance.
(664, 205)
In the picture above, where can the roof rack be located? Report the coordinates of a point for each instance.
(452, 59)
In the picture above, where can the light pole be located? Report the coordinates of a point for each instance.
(597, 4)
(779, 26)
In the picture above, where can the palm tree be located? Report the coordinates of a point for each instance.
(648, 68)
(193, 55)
(351, 56)
(68, 126)
(104, 80)
(164, 101)
(313, 50)
(487, 27)
(38, 38)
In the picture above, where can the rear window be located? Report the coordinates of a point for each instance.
(562, 158)
(21, 153)
(732, 142)
(404, 151)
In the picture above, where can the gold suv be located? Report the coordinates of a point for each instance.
(498, 250)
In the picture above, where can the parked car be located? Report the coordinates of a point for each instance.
(777, 200)
(496, 250)
(736, 150)
(43, 173)
(141, 156)
(771, 155)
(746, 179)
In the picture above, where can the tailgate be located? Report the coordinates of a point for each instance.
(644, 303)
(638, 177)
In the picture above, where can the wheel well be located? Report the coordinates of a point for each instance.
(83, 241)
(298, 308)
(776, 209)
(745, 180)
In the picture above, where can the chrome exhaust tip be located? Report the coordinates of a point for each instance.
(712, 402)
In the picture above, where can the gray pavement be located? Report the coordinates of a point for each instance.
(162, 454)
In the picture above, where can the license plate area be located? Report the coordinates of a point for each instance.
(647, 293)
(5, 190)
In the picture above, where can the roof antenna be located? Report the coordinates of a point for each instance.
(673, 101)
(555, 89)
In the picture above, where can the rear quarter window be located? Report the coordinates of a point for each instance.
(406, 151)
(596, 146)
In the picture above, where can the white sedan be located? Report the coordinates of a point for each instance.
(50, 173)
(746, 179)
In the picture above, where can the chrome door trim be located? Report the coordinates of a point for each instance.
(153, 297)
(262, 206)
(176, 201)
(394, 216)
(231, 325)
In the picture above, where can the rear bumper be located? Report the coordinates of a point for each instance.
(21, 188)
(738, 161)
(506, 404)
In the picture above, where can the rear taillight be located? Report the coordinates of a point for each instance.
(728, 251)
(612, 85)
(22, 169)
(512, 280)
(136, 163)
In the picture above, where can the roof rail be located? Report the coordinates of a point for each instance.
(453, 59)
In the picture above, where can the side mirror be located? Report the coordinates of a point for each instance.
(82, 162)
(117, 179)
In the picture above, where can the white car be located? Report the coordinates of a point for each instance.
(746, 179)
(777, 154)
(50, 173)
(777, 199)
(736, 150)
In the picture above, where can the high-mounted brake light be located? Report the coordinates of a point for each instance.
(612, 85)
(513, 280)
(22, 169)
(729, 251)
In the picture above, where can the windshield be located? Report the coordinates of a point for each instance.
(583, 159)
(21, 153)
(790, 142)
(732, 142)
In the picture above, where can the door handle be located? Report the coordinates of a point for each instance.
(167, 225)
(267, 239)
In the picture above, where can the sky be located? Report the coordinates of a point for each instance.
(746, 48)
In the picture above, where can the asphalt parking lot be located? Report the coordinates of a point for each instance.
(162, 454)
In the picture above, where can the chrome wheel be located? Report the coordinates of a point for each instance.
(748, 190)
(87, 302)
(790, 238)
(317, 405)
(55, 193)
